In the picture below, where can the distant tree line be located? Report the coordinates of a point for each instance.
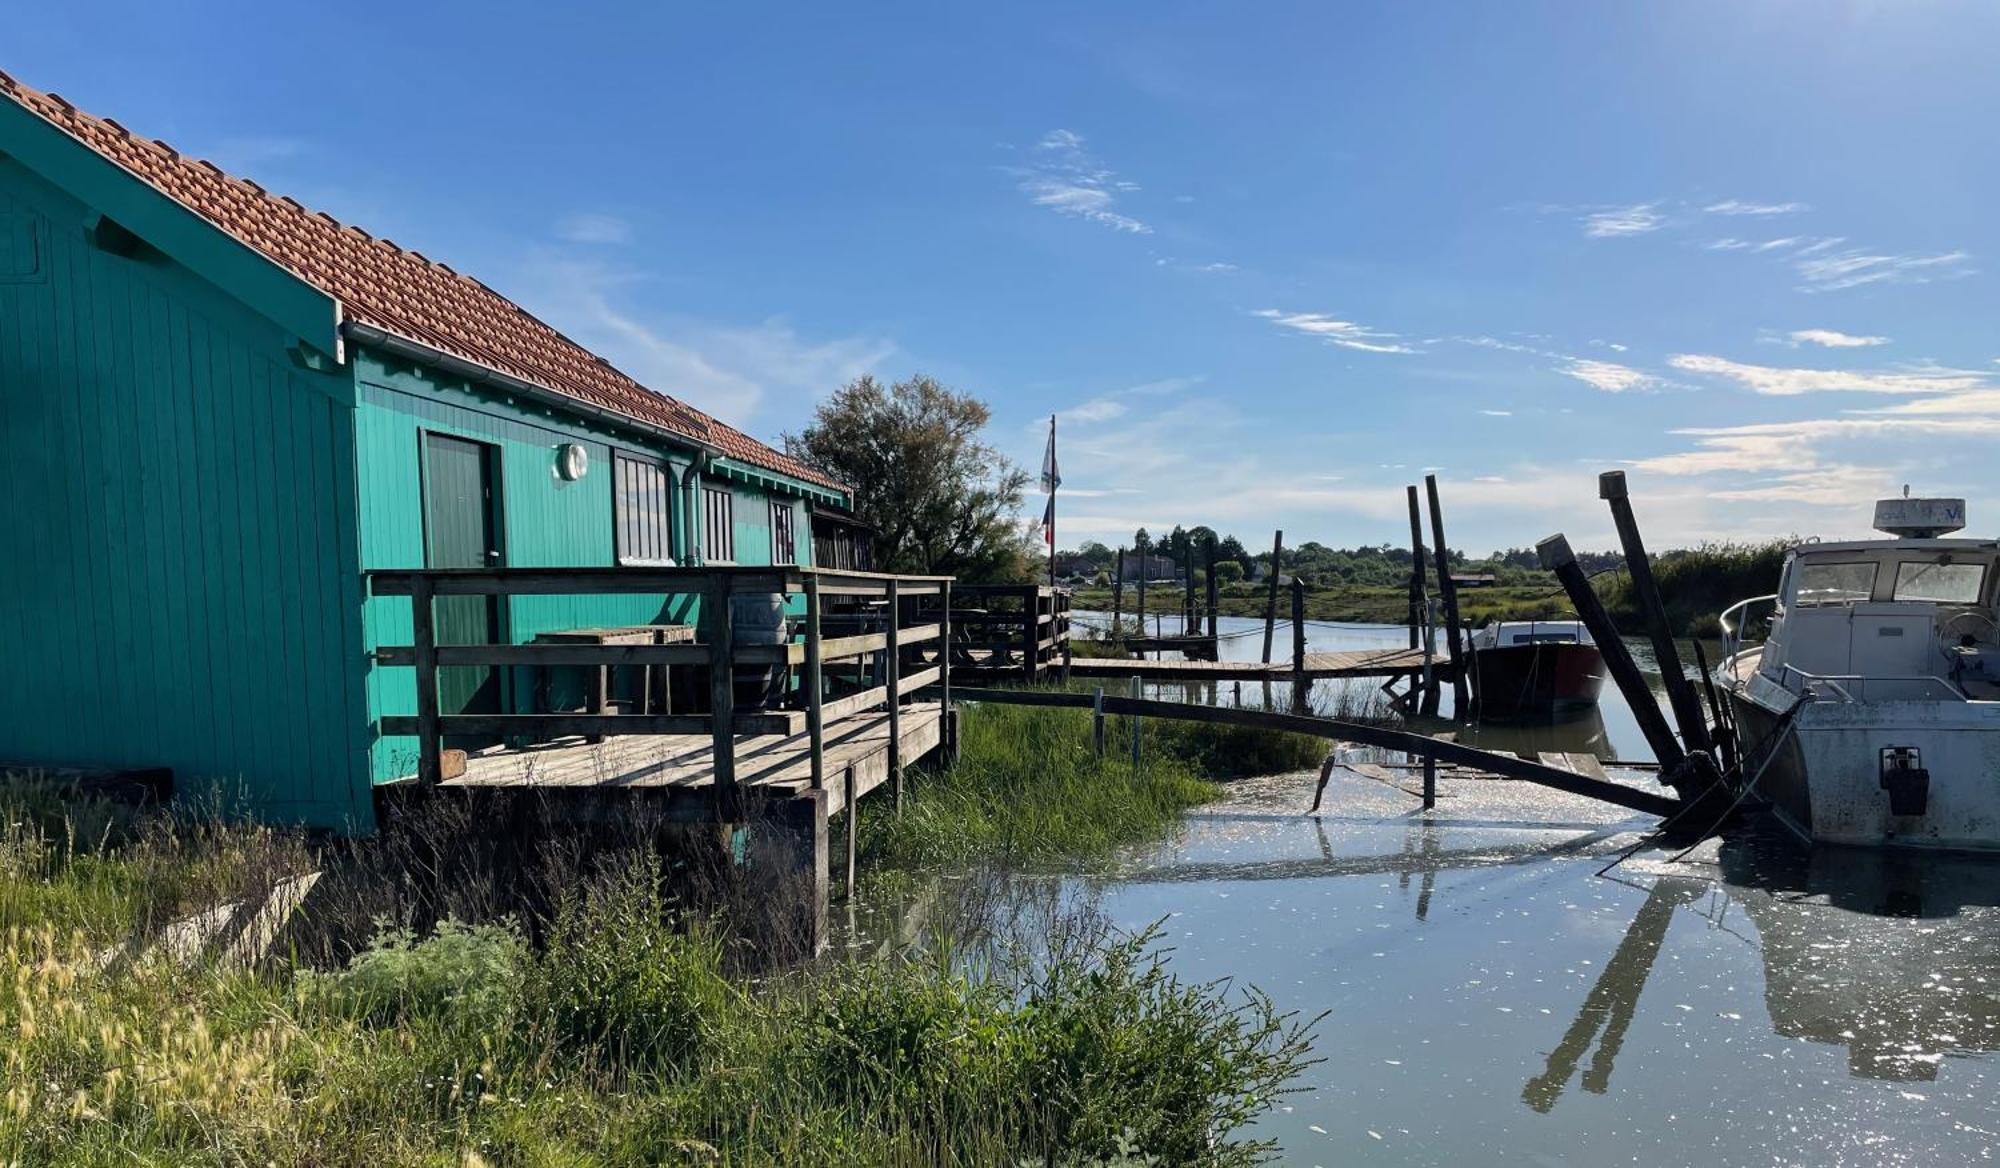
(1320, 566)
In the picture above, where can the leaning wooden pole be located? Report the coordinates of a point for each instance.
(1188, 628)
(1420, 607)
(1557, 557)
(1448, 594)
(1271, 598)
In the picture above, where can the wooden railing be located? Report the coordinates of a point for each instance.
(1016, 630)
(914, 612)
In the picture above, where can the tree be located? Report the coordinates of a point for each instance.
(1228, 571)
(941, 500)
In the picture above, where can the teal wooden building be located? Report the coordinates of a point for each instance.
(223, 408)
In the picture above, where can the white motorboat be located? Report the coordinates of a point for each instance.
(1870, 714)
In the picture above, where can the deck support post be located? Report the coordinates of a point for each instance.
(1448, 594)
(895, 680)
(1031, 627)
(1430, 781)
(788, 846)
(1300, 684)
(722, 696)
(1135, 725)
(815, 683)
(1143, 557)
(851, 808)
(948, 729)
(423, 617)
(1097, 721)
(1271, 597)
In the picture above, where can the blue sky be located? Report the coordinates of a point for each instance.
(1268, 262)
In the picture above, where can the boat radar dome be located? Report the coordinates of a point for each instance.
(1908, 518)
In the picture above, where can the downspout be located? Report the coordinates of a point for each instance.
(691, 514)
(409, 350)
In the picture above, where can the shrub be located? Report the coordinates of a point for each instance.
(470, 975)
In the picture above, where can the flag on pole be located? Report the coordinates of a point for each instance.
(1051, 475)
(1049, 524)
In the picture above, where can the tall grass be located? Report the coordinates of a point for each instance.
(569, 1009)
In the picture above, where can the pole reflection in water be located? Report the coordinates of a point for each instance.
(1613, 999)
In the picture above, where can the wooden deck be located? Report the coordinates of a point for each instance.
(683, 765)
(1362, 663)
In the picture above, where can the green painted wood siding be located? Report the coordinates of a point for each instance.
(179, 583)
(547, 521)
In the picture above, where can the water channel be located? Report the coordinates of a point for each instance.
(1492, 999)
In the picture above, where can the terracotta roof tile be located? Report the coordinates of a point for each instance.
(396, 290)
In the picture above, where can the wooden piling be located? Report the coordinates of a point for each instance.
(1271, 596)
(1188, 626)
(1214, 593)
(1425, 689)
(1448, 594)
(430, 751)
(814, 686)
(852, 810)
(1681, 697)
(893, 676)
(1300, 683)
(1097, 721)
(722, 694)
(1117, 593)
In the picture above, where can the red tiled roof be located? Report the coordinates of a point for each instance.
(396, 290)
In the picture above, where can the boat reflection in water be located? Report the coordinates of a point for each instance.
(1885, 954)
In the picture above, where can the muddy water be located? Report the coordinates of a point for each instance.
(1491, 998)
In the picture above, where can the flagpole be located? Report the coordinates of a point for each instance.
(1052, 507)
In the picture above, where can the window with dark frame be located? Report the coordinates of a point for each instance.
(642, 491)
(718, 525)
(784, 543)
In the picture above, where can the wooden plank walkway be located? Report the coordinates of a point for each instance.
(1359, 663)
(684, 764)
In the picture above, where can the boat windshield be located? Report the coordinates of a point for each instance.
(1940, 583)
(1822, 583)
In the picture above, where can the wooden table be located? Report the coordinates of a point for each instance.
(599, 698)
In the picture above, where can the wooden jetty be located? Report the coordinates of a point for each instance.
(836, 717)
(1383, 663)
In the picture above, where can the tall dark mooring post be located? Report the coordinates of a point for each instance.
(1118, 592)
(1681, 695)
(1425, 688)
(1271, 599)
(1448, 595)
(1214, 595)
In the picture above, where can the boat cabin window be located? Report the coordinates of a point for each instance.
(1821, 583)
(1940, 583)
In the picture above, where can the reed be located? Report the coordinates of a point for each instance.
(592, 1018)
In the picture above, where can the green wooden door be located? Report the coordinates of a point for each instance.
(461, 530)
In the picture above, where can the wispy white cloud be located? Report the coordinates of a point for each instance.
(765, 373)
(1832, 271)
(1775, 381)
(1607, 376)
(1065, 178)
(594, 228)
(1832, 339)
(1498, 413)
(1637, 219)
(1345, 333)
(1740, 207)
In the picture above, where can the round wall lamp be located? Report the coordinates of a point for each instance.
(572, 461)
